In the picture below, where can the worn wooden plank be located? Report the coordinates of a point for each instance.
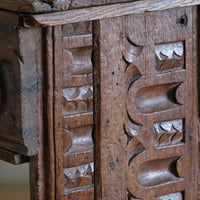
(109, 111)
(95, 13)
(58, 110)
(25, 6)
(48, 133)
(34, 6)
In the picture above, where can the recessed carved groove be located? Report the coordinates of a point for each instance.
(78, 61)
(169, 56)
(81, 139)
(157, 98)
(169, 133)
(78, 177)
(173, 196)
(157, 172)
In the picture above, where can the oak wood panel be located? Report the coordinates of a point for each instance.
(110, 168)
(159, 119)
(95, 13)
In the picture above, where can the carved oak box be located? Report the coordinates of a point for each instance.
(101, 97)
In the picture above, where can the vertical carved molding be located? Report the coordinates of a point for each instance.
(75, 112)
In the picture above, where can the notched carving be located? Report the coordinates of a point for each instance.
(173, 196)
(169, 132)
(169, 56)
(78, 99)
(157, 172)
(157, 98)
(78, 177)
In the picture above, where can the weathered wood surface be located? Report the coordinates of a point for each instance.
(21, 85)
(110, 111)
(73, 111)
(95, 13)
(42, 166)
(145, 76)
(39, 6)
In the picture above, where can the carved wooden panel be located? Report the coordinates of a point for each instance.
(145, 106)
(74, 112)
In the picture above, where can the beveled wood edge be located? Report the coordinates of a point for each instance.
(12, 157)
(100, 12)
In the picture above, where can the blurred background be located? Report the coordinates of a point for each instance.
(14, 181)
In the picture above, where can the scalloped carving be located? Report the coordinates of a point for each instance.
(77, 177)
(78, 99)
(169, 56)
(168, 133)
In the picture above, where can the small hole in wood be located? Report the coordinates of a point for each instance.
(182, 21)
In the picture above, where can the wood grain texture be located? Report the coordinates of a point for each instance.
(42, 166)
(110, 92)
(95, 13)
(159, 118)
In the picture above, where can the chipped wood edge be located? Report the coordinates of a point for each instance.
(100, 12)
